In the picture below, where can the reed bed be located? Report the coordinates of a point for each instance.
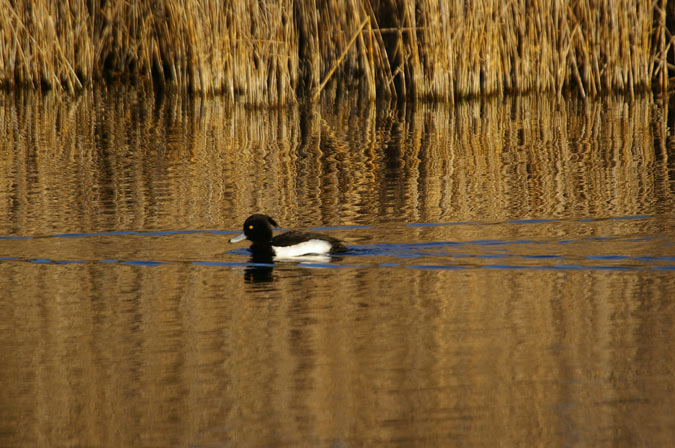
(275, 52)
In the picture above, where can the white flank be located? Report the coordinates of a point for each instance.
(311, 247)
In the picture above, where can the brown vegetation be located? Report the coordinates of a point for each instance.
(276, 51)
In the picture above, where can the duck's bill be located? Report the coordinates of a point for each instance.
(240, 237)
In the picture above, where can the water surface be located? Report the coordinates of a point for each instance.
(510, 278)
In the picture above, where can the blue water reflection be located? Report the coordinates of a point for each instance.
(543, 252)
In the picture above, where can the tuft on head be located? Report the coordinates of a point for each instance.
(259, 218)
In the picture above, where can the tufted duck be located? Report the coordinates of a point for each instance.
(288, 245)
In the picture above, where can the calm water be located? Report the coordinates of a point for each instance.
(510, 279)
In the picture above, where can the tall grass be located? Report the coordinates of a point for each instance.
(275, 51)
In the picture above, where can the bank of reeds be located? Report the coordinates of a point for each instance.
(276, 51)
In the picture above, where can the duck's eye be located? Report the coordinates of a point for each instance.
(250, 227)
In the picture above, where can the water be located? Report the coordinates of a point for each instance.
(510, 278)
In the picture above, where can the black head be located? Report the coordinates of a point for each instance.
(258, 228)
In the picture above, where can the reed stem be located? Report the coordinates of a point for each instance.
(273, 52)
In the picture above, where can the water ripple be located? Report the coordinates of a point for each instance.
(632, 249)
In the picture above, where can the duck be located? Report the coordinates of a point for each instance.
(288, 245)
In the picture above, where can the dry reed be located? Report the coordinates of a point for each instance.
(276, 51)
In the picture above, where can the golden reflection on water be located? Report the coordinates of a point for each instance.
(175, 355)
(103, 353)
(128, 162)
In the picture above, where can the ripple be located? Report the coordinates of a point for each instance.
(534, 245)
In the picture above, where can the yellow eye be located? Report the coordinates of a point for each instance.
(250, 227)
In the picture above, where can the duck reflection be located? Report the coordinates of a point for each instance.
(261, 268)
(259, 274)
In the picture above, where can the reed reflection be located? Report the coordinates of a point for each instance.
(187, 353)
(142, 163)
